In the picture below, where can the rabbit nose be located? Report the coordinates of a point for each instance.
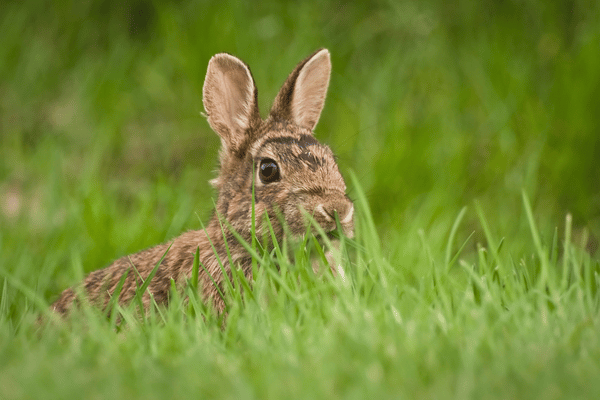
(343, 207)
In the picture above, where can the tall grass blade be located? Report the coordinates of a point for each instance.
(146, 282)
(566, 253)
(114, 300)
(455, 225)
(195, 270)
(542, 254)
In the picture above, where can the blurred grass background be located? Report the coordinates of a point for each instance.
(434, 105)
(103, 150)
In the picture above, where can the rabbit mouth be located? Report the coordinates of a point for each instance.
(329, 247)
(329, 242)
(333, 235)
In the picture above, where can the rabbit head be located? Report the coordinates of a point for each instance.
(292, 173)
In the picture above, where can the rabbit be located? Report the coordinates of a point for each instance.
(290, 170)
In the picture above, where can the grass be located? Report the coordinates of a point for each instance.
(467, 134)
(493, 328)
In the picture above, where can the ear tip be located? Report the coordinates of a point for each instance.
(225, 63)
(322, 58)
(221, 58)
(323, 52)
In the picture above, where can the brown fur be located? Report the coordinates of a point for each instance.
(309, 180)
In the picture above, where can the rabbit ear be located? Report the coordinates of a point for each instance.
(302, 96)
(230, 99)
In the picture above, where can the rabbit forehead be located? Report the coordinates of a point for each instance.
(280, 136)
(288, 147)
(281, 132)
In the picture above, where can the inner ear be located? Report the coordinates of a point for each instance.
(302, 96)
(230, 99)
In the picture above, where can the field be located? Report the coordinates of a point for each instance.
(467, 134)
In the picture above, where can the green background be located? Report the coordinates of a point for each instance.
(434, 105)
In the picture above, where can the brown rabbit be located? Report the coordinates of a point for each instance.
(292, 171)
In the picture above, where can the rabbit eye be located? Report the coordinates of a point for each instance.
(268, 171)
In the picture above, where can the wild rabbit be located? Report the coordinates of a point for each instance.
(289, 168)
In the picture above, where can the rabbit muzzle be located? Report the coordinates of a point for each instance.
(341, 210)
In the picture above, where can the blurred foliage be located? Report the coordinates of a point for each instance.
(103, 149)
(434, 105)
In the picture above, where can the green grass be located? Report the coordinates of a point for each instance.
(467, 134)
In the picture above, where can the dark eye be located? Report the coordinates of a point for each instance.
(268, 171)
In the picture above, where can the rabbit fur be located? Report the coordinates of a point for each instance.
(290, 170)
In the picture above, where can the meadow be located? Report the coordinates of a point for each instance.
(467, 133)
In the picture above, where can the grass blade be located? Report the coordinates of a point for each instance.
(543, 256)
(114, 300)
(457, 221)
(146, 282)
(195, 269)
